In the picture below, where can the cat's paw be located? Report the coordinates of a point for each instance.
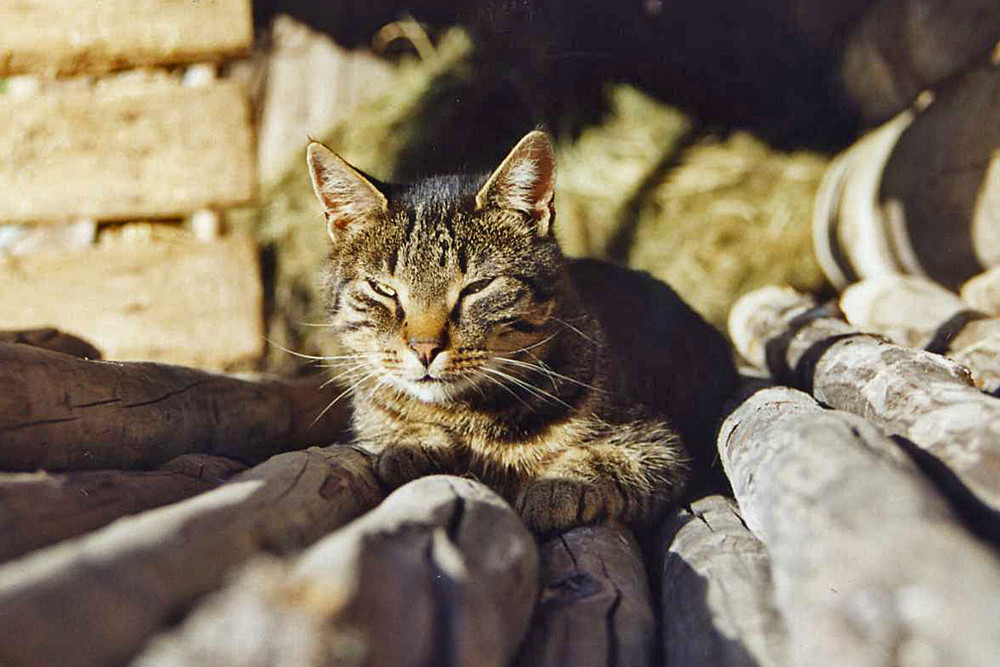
(556, 505)
(399, 464)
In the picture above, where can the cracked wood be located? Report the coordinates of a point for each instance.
(62, 413)
(442, 574)
(119, 585)
(871, 565)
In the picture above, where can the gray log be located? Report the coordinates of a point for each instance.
(595, 608)
(443, 574)
(924, 397)
(871, 566)
(58, 412)
(38, 509)
(715, 591)
(94, 600)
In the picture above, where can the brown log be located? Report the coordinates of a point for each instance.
(40, 509)
(442, 573)
(594, 609)
(915, 312)
(54, 340)
(940, 191)
(871, 566)
(58, 412)
(901, 47)
(924, 397)
(716, 594)
(95, 600)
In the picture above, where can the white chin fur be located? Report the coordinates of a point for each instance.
(431, 392)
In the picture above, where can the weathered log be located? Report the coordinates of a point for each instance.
(924, 397)
(716, 595)
(914, 312)
(58, 412)
(901, 47)
(442, 573)
(871, 566)
(174, 300)
(95, 600)
(940, 190)
(40, 509)
(595, 607)
(54, 340)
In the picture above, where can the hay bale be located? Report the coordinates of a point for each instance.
(732, 217)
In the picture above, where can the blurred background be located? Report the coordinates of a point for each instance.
(154, 198)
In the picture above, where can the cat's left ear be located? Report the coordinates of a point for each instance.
(346, 195)
(524, 181)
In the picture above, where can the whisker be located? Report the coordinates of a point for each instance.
(527, 386)
(505, 388)
(340, 396)
(534, 345)
(574, 329)
(547, 371)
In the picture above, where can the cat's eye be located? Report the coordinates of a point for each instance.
(382, 288)
(476, 286)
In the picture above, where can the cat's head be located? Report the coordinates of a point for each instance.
(448, 285)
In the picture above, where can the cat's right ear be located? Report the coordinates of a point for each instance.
(346, 195)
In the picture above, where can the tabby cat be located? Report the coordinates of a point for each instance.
(476, 348)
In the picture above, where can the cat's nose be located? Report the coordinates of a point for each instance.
(426, 349)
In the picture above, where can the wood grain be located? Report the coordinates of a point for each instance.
(95, 600)
(442, 573)
(871, 566)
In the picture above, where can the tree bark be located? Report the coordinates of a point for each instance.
(95, 600)
(62, 413)
(441, 574)
(715, 591)
(921, 396)
(40, 509)
(595, 609)
(915, 312)
(871, 566)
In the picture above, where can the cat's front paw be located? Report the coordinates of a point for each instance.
(556, 505)
(398, 464)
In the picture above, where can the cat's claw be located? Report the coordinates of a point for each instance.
(400, 464)
(556, 505)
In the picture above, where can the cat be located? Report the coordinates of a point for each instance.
(575, 388)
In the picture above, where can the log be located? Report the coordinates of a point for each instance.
(982, 292)
(95, 600)
(914, 312)
(900, 48)
(83, 37)
(124, 150)
(921, 396)
(54, 340)
(716, 591)
(940, 189)
(40, 509)
(62, 413)
(871, 565)
(594, 609)
(442, 573)
(181, 302)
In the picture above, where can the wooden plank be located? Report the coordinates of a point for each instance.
(58, 412)
(871, 566)
(441, 573)
(95, 600)
(716, 591)
(124, 151)
(595, 608)
(923, 397)
(183, 302)
(40, 509)
(62, 37)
